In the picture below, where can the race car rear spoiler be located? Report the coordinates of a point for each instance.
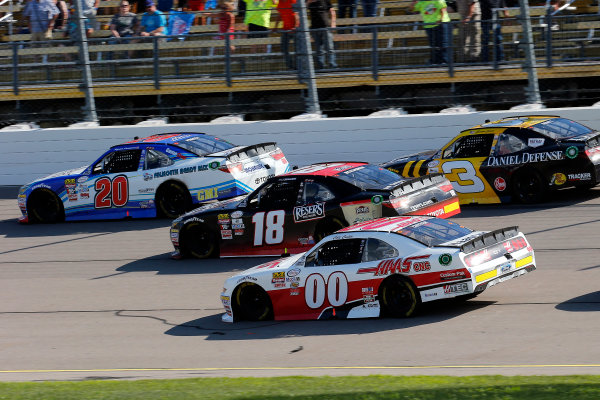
(412, 185)
(240, 153)
(489, 238)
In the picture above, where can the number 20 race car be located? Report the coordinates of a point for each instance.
(516, 158)
(384, 267)
(163, 174)
(293, 211)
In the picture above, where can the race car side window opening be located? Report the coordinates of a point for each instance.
(378, 250)
(315, 192)
(470, 146)
(202, 145)
(156, 159)
(337, 252)
(434, 232)
(561, 128)
(118, 161)
(277, 195)
(369, 177)
(508, 144)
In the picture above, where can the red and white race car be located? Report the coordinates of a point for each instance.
(383, 267)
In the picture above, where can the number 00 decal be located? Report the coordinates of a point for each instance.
(468, 181)
(336, 290)
(111, 193)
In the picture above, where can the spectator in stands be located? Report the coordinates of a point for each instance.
(258, 19)
(369, 8)
(488, 25)
(348, 8)
(197, 6)
(153, 21)
(469, 30)
(124, 23)
(63, 15)
(435, 17)
(226, 19)
(322, 17)
(288, 15)
(41, 15)
(89, 10)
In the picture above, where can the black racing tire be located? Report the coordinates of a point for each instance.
(327, 227)
(197, 241)
(528, 186)
(252, 303)
(172, 200)
(398, 297)
(45, 207)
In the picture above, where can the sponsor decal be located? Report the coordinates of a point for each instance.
(193, 219)
(292, 279)
(526, 158)
(40, 185)
(558, 179)
(452, 275)
(226, 234)
(226, 300)
(294, 292)
(147, 204)
(224, 221)
(247, 278)
(236, 220)
(294, 284)
(456, 288)
(214, 165)
(421, 205)
(362, 210)
(238, 232)
(278, 277)
(432, 164)
(445, 259)
(70, 183)
(279, 285)
(224, 226)
(237, 214)
(571, 152)
(223, 216)
(306, 240)
(147, 176)
(500, 184)
(585, 176)
(208, 194)
(377, 199)
(393, 266)
(82, 179)
(307, 213)
(535, 142)
(263, 179)
(163, 174)
(293, 272)
(146, 190)
(237, 226)
(434, 294)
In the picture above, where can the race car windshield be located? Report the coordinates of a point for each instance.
(434, 232)
(561, 128)
(202, 145)
(370, 177)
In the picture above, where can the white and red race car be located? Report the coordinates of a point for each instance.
(384, 267)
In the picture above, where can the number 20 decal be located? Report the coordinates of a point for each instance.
(111, 193)
(468, 181)
(269, 227)
(336, 290)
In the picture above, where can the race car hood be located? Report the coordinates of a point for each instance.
(70, 172)
(266, 269)
(424, 155)
(229, 204)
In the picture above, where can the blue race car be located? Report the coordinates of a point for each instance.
(160, 175)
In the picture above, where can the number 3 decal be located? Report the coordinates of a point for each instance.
(111, 193)
(467, 180)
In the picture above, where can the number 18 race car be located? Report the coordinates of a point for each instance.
(162, 174)
(293, 211)
(516, 158)
(384, 267)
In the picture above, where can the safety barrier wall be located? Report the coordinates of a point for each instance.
(26, 155)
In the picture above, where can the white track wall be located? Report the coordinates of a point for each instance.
(28, 155)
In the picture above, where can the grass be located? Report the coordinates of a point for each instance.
(574, 387)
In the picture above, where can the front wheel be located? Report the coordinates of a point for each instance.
(199, 242)
(172, 200)
(398, 297)
(253, 303)
(528, 187)
(45, 207)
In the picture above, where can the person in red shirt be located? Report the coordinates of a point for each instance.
(226, 19)
(288, 15)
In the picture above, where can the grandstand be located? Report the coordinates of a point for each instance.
(383, 63)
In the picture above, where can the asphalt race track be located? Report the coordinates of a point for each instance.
(102, 300)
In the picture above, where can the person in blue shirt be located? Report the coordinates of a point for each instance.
(153, 22)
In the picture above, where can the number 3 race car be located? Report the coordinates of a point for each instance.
(163, 174)
(291, 212)
(384, 267)
(516, 158)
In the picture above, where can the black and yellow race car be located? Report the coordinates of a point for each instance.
(512, 159)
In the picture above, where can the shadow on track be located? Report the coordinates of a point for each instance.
(213, 329)
(587, 302)
(164, 265)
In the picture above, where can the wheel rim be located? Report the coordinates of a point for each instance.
(253, 303)
(199, 242)
(399, 298)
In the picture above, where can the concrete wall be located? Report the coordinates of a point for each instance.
(28, 155)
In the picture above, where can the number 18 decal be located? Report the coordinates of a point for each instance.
(336, 290)
(467, 180)
(269, 227)
(111, 193)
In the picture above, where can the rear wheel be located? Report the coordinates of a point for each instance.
(528, 186)
(199, 242)
(45, 207)
(172, 200)
(398, 297)
(253, 303)
(327, 227)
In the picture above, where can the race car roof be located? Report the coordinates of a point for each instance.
(523, 121)
(389, 224)
(326, 169)
(170, 138)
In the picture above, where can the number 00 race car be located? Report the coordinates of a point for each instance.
(158, 175)
(295, 210)
(516, 158)
(384, 267)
